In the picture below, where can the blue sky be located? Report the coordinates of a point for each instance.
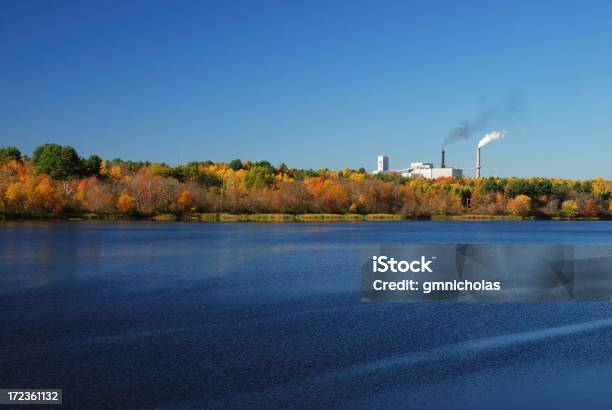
(312, 84)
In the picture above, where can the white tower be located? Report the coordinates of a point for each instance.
(383, 163)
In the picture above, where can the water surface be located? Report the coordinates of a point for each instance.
(180, 315)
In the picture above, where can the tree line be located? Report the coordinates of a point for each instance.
(56, 181)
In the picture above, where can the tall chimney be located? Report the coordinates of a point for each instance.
(477, 162)
(442, 163)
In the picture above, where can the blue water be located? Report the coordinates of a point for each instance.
(237, 315)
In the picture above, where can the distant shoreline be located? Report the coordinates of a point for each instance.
(58, 183)
(322, 217)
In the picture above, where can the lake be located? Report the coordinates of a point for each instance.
(242, 315)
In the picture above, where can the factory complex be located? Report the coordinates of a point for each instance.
(420, 169)
(429, 171)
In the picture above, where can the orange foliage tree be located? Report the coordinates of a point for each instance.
(126, 203)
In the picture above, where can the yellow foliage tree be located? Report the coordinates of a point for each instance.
(520, 206)
(570, 208)
(13, 194)
(184, 200)
(45, 194)
(126, 203)
(115, 171)
(600, 187)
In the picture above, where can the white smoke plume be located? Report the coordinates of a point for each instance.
(490, 137)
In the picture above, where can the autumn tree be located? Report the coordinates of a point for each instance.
(520, 206)
(259, 177)
(601, 188)
(184, 200)
(94, 195)
(570, 208)
(294, 197)
(45, 195)
(591, 209)
(336, 198)
(13, 197)
(126, 203)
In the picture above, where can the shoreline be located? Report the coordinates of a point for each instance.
(323, 217)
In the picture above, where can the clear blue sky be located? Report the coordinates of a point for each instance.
(312, 84)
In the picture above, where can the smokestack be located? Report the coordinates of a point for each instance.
(442, 163)
(478, 162)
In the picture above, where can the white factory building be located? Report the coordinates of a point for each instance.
(427, 170)
(420, 169)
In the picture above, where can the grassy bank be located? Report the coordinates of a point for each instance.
(473, 217)
(224, 217)
(323, 217)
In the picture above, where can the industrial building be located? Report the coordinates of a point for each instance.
(383, 164)
(429, 171)
(421, 169)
